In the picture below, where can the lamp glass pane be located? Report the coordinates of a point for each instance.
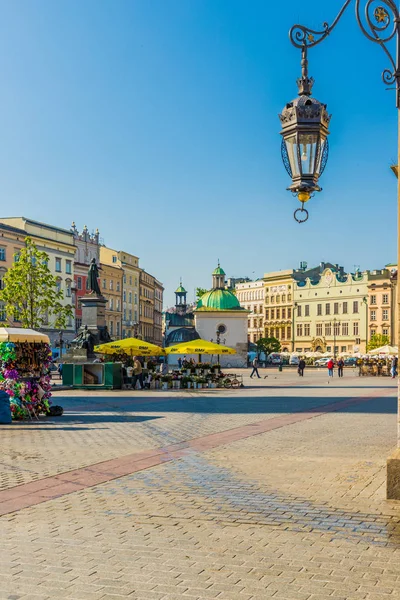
(292, 150)
(320, 155)
(308, 151)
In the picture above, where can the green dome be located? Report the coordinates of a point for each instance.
(218, 300)
(180, 290)
(219, 271)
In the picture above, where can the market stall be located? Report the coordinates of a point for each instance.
(25, 359)
(377, 362)
(198, 375)
(109, 372)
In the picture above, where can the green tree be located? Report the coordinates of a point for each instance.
(200, 292)
(377, 341)
(30, 291)
(268, 345)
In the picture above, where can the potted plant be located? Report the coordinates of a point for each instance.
(186, 382)
(204, 367)
(176, 383)
(165, 379)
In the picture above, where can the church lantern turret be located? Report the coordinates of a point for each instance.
(180, 297)
(218, 278)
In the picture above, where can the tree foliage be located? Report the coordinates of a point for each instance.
(268, 345)
(30, 292)
(377, 341)
(200, 292)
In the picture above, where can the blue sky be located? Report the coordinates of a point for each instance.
(156, 121)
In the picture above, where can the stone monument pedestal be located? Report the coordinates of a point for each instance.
(94, 315)
(93, 323)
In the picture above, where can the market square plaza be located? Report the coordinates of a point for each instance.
(276, 491)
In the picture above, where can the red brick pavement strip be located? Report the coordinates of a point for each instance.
(49, 488)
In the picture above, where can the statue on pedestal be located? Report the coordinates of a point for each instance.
(93, 275)
(84, 340)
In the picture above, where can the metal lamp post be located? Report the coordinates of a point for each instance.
(335, 322)
(295, 307)
(305, 121)
(61, 342)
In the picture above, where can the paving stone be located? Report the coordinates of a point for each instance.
(295, 510)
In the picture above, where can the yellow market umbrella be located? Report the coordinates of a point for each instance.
(18, 334)
(131, 346)
(199, 347)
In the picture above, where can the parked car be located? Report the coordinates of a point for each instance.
(351, 361)
(322, 362)
(294, 360)
(274, 359)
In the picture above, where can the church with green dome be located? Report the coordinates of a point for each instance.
(220, 318)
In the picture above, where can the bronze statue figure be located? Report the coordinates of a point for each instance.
(93, 275)
(84, 340)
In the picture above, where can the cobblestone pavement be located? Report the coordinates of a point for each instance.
(272, 491)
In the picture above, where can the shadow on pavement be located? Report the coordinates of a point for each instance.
(79, 418)
(232, 404)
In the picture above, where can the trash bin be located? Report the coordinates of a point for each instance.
(5, 408)
(280, 368)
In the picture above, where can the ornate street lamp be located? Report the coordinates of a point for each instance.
(305, 147)
(305, 120)
(380, 23)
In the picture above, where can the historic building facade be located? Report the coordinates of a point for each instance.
(382, 304)
(278, 303)
(87, 248)
(129, 263)
(146, 306)
(158, 312)
(251, 297)
(12, 240)
(111, 282)
(331, 312)
(59, 245)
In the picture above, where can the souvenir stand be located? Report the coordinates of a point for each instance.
(122, 353)
(25, 359)
(200, 375)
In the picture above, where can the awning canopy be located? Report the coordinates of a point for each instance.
(384, 350)
(18, 334)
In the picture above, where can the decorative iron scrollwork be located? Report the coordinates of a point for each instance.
(301, 36)
(379, 22)
(324, 158)
(285, 158)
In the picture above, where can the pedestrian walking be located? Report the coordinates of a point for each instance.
(180, 363)
(330, 365)
(137, 373)
(340, 365)
(255, 368)
(301, 367)
(393, 368)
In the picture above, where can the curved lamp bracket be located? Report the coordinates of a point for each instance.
(379, 22)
